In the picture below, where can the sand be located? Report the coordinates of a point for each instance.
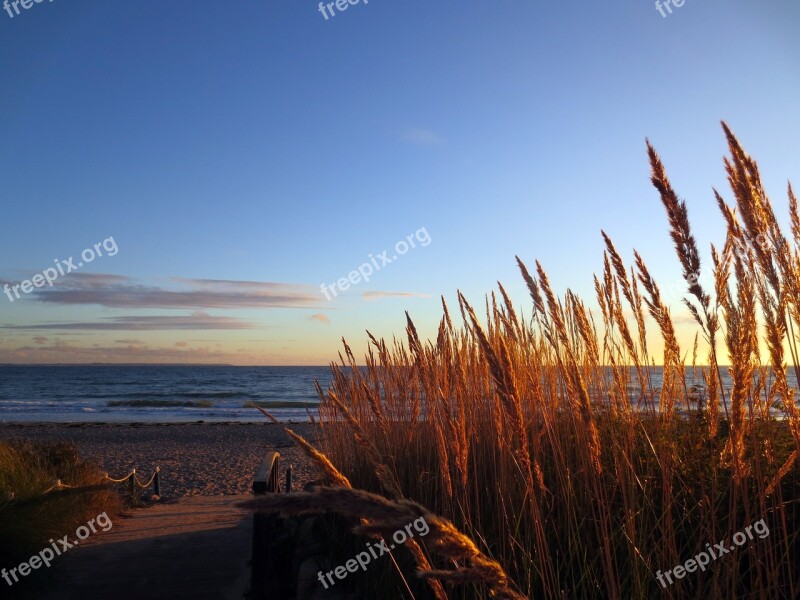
(206, 459)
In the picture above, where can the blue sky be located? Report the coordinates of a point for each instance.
(241, 154)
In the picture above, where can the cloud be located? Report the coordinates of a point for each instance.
(59, 351)
(115, 291)
(63, 352)
(381, 295)
(196, 321)
(683, 318)
(93, 280)
(267, 286)
(422, 137)
(321, 318)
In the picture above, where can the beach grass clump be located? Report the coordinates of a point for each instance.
(548, 438)
(34, 507)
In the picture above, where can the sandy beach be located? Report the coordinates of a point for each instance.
(195, 459)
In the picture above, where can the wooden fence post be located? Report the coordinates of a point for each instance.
(268, 580)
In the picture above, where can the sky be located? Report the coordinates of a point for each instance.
(221, 162)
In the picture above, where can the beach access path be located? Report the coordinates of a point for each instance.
(191, 547)
(195, 542)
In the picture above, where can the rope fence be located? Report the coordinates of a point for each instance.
(58, 486)
(134, 482)
(152, 479)
(131, 477)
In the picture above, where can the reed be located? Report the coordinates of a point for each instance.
(555, 449)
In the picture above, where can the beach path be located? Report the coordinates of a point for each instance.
(192, 547)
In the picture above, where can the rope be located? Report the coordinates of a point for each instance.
(123, 480)
(58, 486)
(135, 478)
(149, 483)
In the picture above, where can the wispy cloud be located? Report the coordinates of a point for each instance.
(265, 286)
(115, 291)
(196, 321)
(321, 318)
(63, 352)
(382, 295)
(422, 137)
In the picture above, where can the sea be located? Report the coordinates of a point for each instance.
(157, 394)
(175, 394)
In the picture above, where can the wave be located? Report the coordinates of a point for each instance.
(170, 394)
(162, 403)
(280, 404)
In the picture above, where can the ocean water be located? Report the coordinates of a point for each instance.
(694, 384)
(162, 394)
(168, 394)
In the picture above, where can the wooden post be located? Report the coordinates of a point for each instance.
(157, 482)
(289, 479)
(265, 575)
(132, 484)
(265, 479)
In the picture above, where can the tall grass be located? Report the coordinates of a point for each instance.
(32, 511)
(548, 441)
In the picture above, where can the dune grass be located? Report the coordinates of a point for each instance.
(30, 514)
(560, 466)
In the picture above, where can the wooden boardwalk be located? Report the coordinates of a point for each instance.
(194, 547)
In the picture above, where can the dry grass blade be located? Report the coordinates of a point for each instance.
(600, 472)
(386, 517)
